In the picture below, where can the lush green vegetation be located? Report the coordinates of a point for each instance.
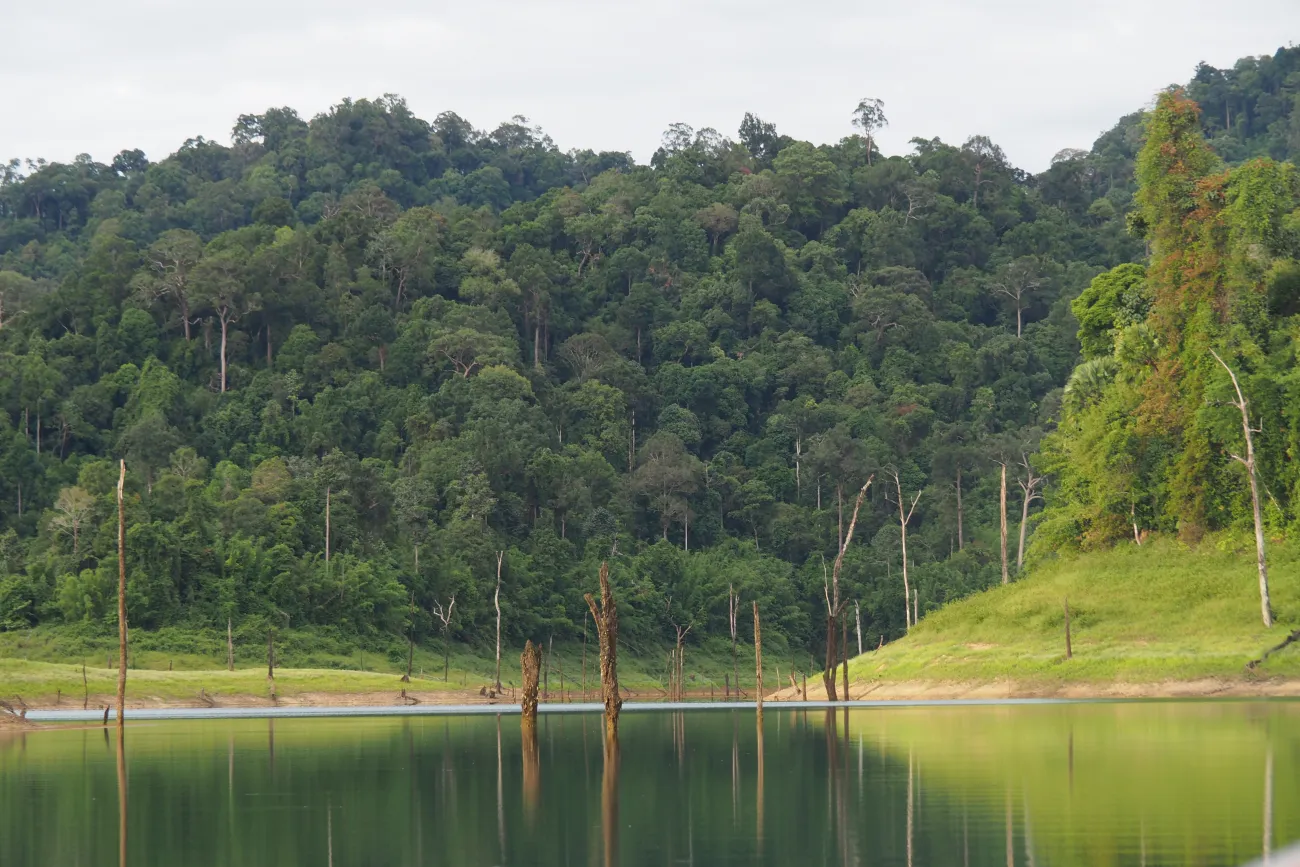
(349, 360)
(1137, 614)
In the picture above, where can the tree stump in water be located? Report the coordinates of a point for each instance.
(606, 617)
(531, 663)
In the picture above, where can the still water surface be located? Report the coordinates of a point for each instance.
(1209, 783)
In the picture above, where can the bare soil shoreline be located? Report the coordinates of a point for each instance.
(917, 690)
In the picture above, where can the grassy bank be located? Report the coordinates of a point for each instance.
(1160, 612)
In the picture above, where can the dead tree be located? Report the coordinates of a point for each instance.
(606, 619)
(1029, 488)
(758, 660)
(496, 601)
(733, 608)
(832, 593)
(230, 646)
(1249, 463)
(857, 617)
(121, 595)
(903, 520)
(410, 642)
(1002, 511)
(531, 663)
(444, 615)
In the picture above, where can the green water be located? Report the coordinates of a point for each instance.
(1152, 783)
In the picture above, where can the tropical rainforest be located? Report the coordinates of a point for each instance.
(361, 365)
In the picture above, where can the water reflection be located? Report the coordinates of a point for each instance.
(1104, 784)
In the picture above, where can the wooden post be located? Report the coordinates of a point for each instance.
(758, 660)
(1069, 652)
(121, 595)
(606, 619)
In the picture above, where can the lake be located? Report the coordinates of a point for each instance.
(1143, 783)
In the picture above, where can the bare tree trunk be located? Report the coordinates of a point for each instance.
(606, 619)
(833, 596)
(496, 602)
(857, 616)
(733, 609)
(904, 518)
(758, 660)
(230, 646)
(1002, 500)
(531, 662)
(844, 644)
(961, 539)
(121, 595)
(225, 326)
(1266, 608)
(410, 643)
(1024, 525)
(327, 525)
(1069, 651)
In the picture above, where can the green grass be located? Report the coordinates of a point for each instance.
(175, 664)
(1161, 612)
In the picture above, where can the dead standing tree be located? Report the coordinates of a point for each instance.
(904, 518)
(1030, 489)
(444, 615)
(496, 601)
(531, 663)
(606, 619)
(758, 661)
(833, 603)
(1248, 462)
(1002, 512)
(121, 595)
(733, 608)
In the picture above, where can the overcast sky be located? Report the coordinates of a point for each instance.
(1035, 75)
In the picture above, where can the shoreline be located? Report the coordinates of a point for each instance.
(875, 693)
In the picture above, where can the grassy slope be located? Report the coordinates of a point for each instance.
(1138, 615)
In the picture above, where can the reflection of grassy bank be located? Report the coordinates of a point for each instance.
(1138, 615)
(1066, 773)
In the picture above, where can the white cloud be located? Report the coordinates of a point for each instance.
(1035, 75)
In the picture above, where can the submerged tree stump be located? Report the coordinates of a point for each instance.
(606, 618)
(531, 662)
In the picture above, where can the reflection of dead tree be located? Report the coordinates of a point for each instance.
(609, 793)
(122, 795)
(833, 603)
(758, 662)
(606, 619)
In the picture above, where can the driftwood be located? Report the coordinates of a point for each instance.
(1290, 639)
(606, 618)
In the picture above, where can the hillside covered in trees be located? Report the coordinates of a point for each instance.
(349, 360)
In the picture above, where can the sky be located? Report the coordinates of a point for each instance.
(1037, 76)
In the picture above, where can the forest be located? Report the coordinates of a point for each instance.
(361, 365)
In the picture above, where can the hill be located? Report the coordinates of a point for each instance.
(1157, 615)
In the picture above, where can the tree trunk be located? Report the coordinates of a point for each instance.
(606, 619)
(446, 654)
(1266, 608)
(225, 326)
(230, 646)
(268, 346)
(537, 344)
(1069, 651)
(531, 661)
(185, 317)
(496, 602)
(38, 431)
(327, 526)
(1002, 500)
(1024, 524)
(961, 539)
(857, 616)
(844, 645)
(758, 660)
(121, 595)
